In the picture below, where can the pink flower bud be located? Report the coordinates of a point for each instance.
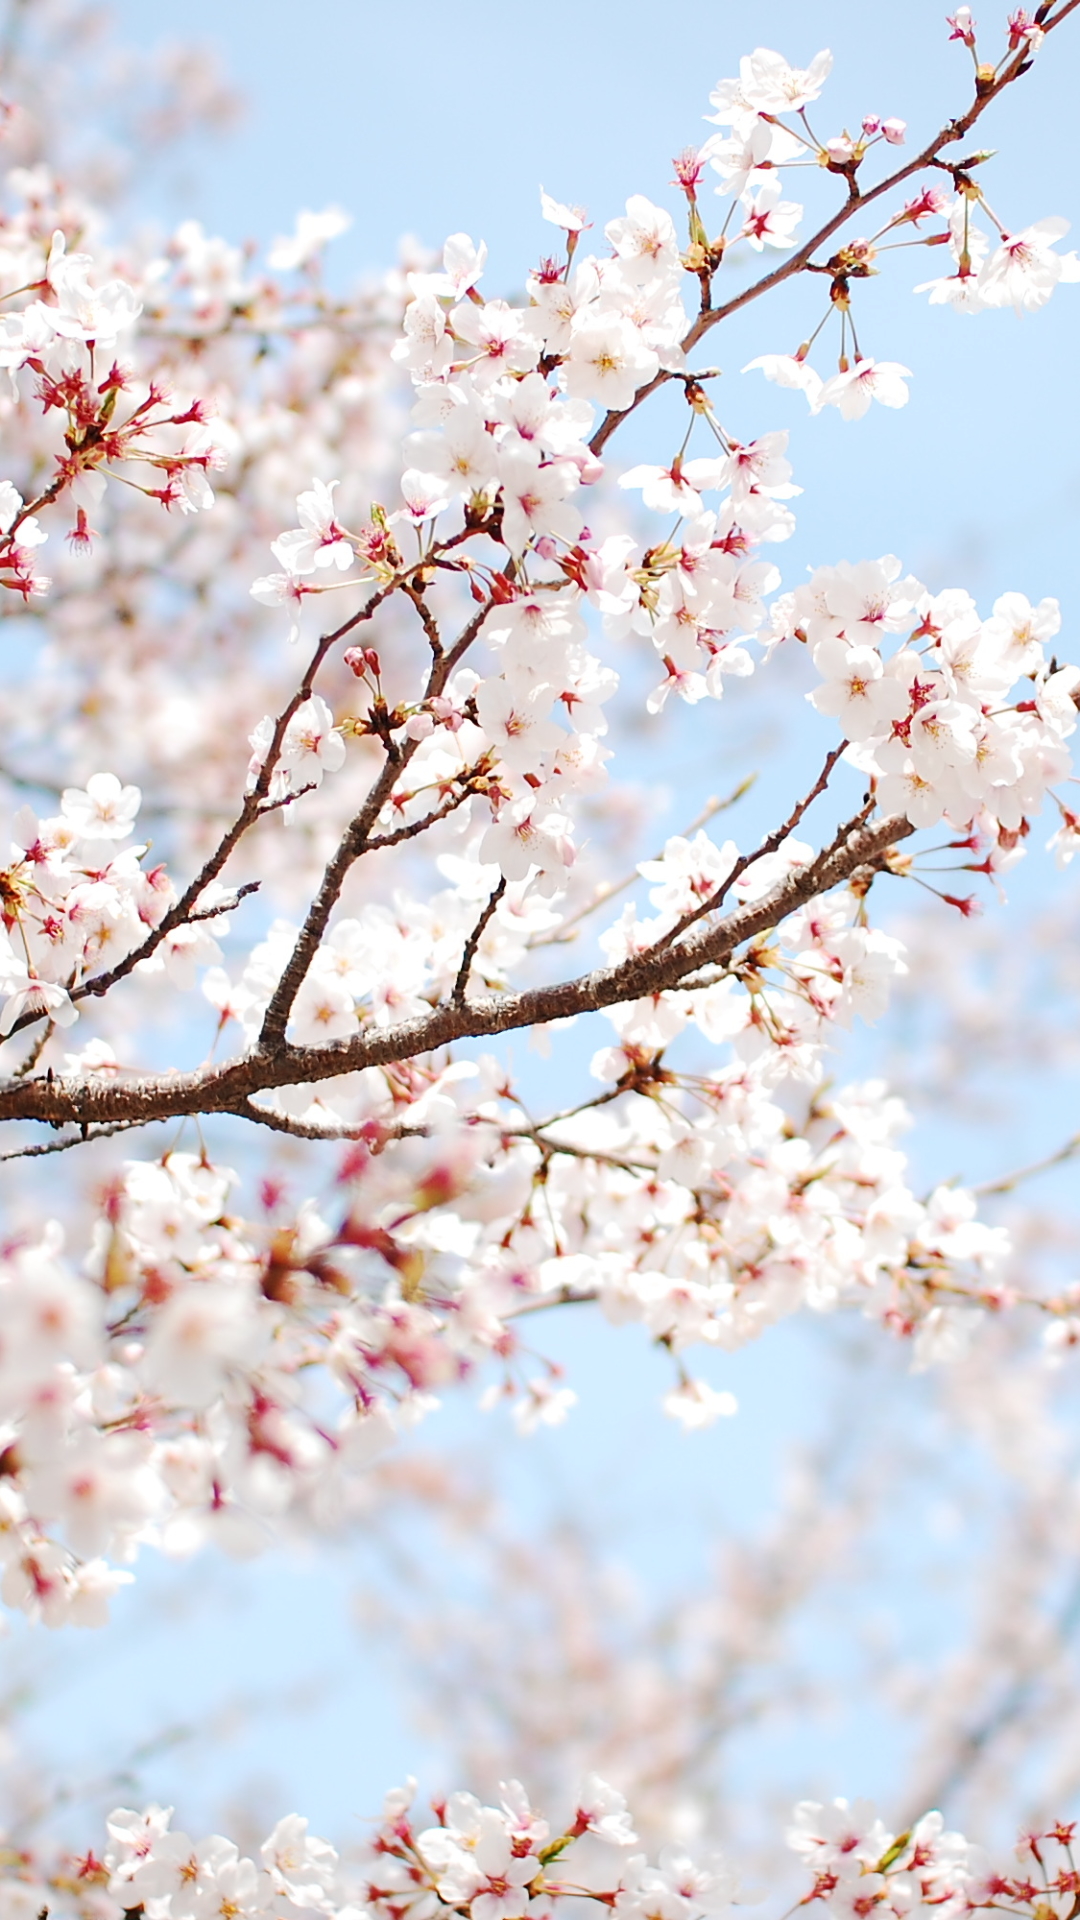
(445, 712)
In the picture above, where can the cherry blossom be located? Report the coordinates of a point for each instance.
(311, 234)
(852, 390)
(1024, 270)
(499, 1862)
(374, 864)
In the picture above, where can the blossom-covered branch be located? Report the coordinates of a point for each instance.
(391, 867)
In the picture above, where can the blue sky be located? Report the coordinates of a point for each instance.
(427, 118)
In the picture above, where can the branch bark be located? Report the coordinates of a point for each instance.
(90, 1102)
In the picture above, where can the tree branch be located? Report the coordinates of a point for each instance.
(770, 844)
(355, 841)
(473, 941)
(61, 1101)
(450, 805)
(183, 911)
(953, 130)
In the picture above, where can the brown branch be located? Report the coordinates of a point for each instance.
(226, 906)
(770, 844)
(473, 942)
(252, 809)
(355, 841)
(584, 1106)
(553, 1149)
(80, 1139)
(267, 807)
(450, 805)
(427, 619)
(356, 838)
(41, 1041)
(222, 1089)
(296, 1129)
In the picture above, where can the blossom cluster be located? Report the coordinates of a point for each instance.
(200, 1374)
(529, 733)
(507, 399)
(75, 902)
(932, 723)
(490, 1863)
(756, 142)
(113, 422)
(147, 612)
(507, 1861)
(861, 1869)
(201, 1378)
(496, 436)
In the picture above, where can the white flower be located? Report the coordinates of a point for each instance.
(311, 746)
(602, 1810)
(608, 360)
(318, 542)
(867, 380)
(695, 1404)
(301, 1867)
(106, 810)
(311, 234)
(1024, 270)
(198, 1336)
(535, 499)
(570, 219)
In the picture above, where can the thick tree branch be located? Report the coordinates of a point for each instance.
(63, 1101)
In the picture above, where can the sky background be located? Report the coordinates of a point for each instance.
(428, 119)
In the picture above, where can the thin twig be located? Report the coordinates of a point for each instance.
(770, 844)
(1010, 1180)
(180, 914)
(604, 894)
(432, 819)
(427, 619)
(41, 1041)
(472, 943)
(81, 1139)
(296, 1129)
